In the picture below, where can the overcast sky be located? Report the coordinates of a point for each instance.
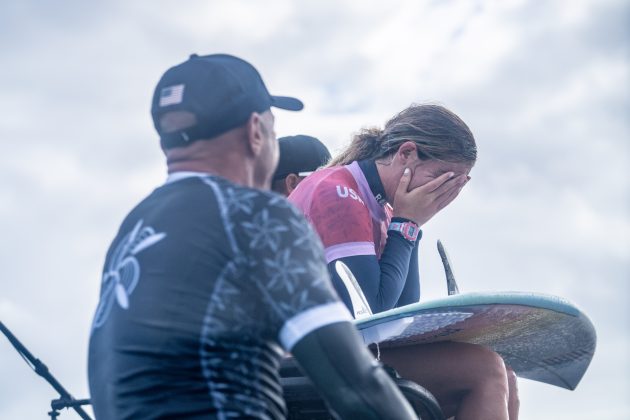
(544, 86)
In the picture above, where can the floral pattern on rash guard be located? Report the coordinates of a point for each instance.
(278, 271)
(224, 270)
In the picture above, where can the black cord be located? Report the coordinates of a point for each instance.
(42, 370)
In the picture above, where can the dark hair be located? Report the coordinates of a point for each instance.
(439, 134)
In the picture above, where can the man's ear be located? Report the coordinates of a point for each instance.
(291, 181)
(255, 133)
(407, 153)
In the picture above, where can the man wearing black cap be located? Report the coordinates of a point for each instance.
(299, 157)
(210, 278)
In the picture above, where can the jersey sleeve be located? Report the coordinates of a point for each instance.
(285, 264)
(342, 220)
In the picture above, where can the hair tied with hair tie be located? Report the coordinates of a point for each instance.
(374, 136)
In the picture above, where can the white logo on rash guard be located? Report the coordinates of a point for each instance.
(123, 271)
(344, 192)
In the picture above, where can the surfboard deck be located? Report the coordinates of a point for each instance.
(541, 337)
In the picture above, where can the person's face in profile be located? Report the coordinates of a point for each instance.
(286, 185)
(267, 160)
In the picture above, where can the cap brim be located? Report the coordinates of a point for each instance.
(287, 102)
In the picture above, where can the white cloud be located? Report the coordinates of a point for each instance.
(545, 90)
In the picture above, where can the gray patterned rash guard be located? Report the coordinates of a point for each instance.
(203, 287)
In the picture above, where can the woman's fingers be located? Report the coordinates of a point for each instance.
(421, 203)
(436, 184)
(403, 203)
(448, 196)
(435, 188)
(405, 179)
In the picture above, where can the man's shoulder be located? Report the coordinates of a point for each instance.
(238, 199)
(246, 207)
(259, 200)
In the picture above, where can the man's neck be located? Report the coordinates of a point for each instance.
(211, 158)
(232, 173)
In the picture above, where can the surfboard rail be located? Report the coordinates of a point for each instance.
(542, 337)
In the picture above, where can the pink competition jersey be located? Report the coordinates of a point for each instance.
(339, 203)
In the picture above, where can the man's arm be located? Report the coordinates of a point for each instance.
(349, 378)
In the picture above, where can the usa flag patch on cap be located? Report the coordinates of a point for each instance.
(171, 95)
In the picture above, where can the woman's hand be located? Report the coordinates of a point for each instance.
(423, 202)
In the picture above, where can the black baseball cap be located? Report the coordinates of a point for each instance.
(221, 91)
(300, 155)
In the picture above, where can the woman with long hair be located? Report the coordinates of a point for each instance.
(369, 206)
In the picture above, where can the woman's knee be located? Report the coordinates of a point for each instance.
(493, 374)
(513, 386)
(512, 382)
(456, 367)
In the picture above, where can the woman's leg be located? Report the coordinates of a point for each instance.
(469, 381)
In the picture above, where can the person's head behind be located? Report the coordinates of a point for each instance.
(440, 139)
(213, 115)
(300, 155)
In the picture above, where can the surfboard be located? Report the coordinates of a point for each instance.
(541, 337)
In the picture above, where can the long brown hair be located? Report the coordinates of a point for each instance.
(438, 133)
